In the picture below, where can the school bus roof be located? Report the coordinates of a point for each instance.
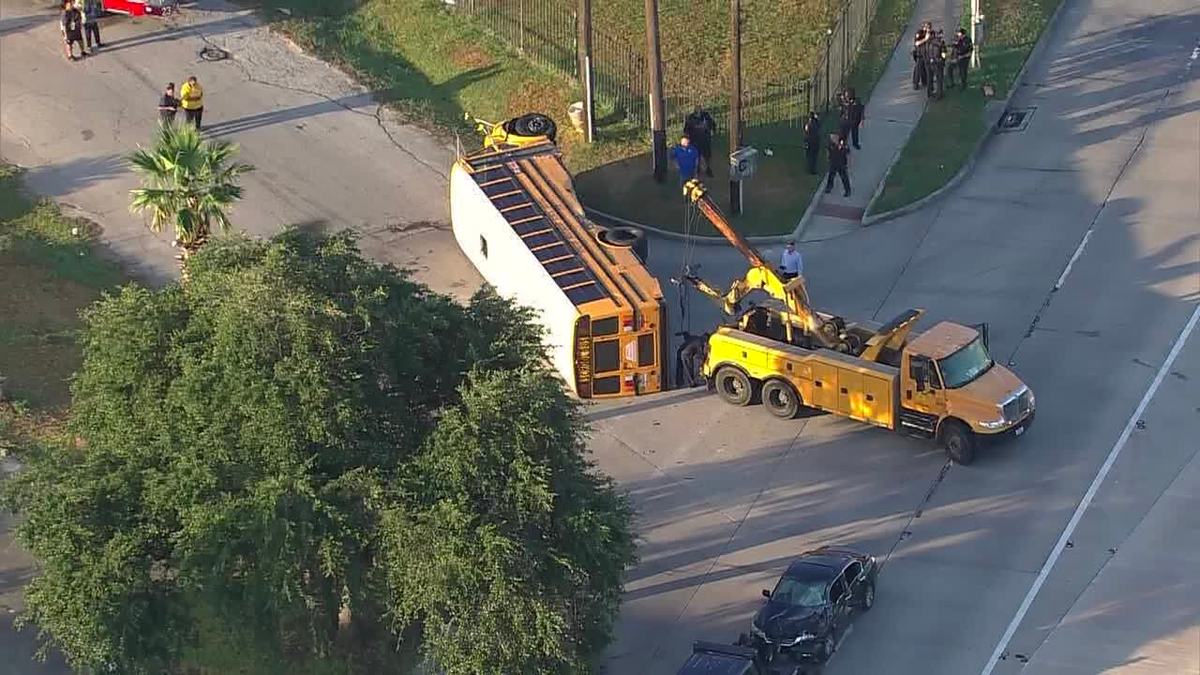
(531, 187)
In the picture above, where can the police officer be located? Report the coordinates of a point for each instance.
(857, 112)
(920, 60)
(700, 127)
(812, 141)
(961, 52)
(839, 163)
(845, 117)
(936, 50)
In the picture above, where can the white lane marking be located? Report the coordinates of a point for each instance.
(1091, 494)
(1078, 252)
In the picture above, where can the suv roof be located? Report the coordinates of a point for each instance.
(711, 658)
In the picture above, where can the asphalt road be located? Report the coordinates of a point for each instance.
(1111, 156)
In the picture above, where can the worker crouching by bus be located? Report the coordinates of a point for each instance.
(689, 360)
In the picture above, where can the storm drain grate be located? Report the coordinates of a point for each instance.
(1016, 119)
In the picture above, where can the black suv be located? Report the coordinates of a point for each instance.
(813, 604)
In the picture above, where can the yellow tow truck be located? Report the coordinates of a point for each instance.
(941, 384)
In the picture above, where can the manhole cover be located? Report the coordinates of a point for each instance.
(213, 54)
(1016, 119)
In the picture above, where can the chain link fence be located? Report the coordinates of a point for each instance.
(546, 32)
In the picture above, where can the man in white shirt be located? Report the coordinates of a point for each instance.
(791, 264)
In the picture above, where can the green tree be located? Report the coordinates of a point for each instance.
(302, 437)
(187, 183)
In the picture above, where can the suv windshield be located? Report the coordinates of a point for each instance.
(963, 366)
(799, 592)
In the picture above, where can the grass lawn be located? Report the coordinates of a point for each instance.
(949, 130)
(780, 191)
(47, 275)
(433, 64)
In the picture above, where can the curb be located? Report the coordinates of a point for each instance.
(969, 166)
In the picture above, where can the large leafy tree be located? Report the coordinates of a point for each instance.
(188, 184)
(301, 445)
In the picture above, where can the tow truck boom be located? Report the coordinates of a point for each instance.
(793, 293)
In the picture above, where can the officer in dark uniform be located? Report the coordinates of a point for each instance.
(936, 50)
(961, 53)
(858, 112)
(839, 163)
(700, 127)
(845, 116)
(812, 141)
(920, 61)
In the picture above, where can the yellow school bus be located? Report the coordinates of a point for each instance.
(517, 218)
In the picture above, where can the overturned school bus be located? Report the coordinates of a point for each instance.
(515, 215)
(941, 384)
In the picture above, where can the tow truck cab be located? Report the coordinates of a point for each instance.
(712, 658)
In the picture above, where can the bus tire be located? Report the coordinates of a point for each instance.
(534, 124)
(959, 442)
(734, 386)
(781, 399)
(626, 237)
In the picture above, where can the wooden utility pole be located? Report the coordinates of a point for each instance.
(585, 70)
(658, 123)
(735, 101)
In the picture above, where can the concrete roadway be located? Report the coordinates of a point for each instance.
(1112, 152)
(729, 495)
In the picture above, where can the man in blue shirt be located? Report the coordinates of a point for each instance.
(687, 159)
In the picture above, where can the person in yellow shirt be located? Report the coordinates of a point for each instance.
(191, 99)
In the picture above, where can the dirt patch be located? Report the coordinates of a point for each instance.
(471, 57)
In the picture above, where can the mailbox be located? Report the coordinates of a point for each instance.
(742, 163)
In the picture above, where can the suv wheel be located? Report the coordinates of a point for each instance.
(868, 600)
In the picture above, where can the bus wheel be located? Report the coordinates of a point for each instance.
(959, 442)
(734, 386)
(780, 399)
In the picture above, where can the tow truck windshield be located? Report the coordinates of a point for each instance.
(965, 365)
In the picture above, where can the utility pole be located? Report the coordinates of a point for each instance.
(735, 101)
(976, 19)
(658, 123)
(585, 70)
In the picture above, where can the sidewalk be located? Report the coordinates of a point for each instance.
(892, 113)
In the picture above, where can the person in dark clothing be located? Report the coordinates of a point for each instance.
(936, 49)
(845, 115)
(92, 11)
(701, 127)
(812, 141)
(858, 112)
(839, 163)
(920, 60)
(168, 105)
(961, 53)
(71, 25)
(689, 360)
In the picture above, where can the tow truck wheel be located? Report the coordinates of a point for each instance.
(781, 399)
(734, 386)
(958, 442)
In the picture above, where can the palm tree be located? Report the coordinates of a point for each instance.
(187, 183)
